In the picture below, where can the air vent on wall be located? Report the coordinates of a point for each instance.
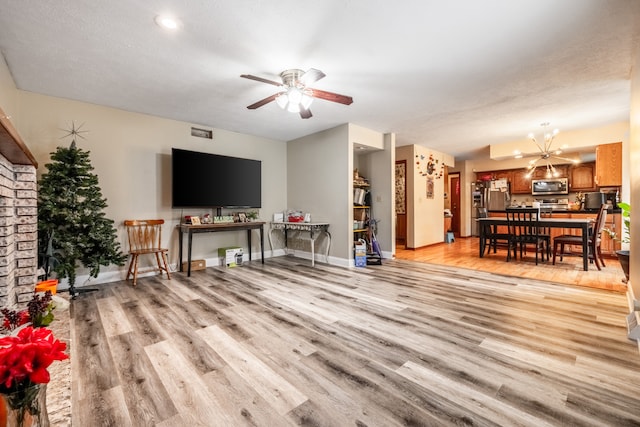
(202, 133)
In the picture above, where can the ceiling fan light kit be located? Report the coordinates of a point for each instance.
(546, 153)
(295, 96)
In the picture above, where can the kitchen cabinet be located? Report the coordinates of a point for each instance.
(504, 174)
(609, 165)
(581, 177)
(521, 184)
(608, 245)
(541, 171)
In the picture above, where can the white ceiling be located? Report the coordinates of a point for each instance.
(452, 75)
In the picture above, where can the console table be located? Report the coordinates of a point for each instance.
(315, 229)
(213, 228)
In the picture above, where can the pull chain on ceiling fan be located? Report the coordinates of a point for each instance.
(295, 95)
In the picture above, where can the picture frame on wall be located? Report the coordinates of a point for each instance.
(429, 187)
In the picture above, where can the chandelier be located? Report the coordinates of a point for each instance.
(546, 153)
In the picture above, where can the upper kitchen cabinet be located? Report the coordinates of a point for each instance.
(505, 174)
(609, 165)
(521, 184)
(581, 177)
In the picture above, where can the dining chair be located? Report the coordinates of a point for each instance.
(594, 240)
(525, 231)
(145, 238)
(545, 232)
(492, 238)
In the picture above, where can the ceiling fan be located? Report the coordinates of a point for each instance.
(295, 95)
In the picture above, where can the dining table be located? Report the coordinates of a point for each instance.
(576, 223)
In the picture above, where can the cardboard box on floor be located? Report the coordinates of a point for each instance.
(230, 257)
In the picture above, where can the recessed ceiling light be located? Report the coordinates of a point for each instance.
(168, 22)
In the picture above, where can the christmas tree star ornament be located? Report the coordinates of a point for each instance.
(73, 133)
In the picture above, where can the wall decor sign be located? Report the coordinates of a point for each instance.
(429, 187)
(401, 173)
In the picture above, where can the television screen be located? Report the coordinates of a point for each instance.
(203, 180)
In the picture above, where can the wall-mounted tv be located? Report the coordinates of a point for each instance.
(203, 180)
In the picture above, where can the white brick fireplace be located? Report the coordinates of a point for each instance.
(18, 218)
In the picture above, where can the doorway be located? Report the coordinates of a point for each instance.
(454, 202)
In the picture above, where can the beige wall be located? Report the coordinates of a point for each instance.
(8, 91)
(576, 141)
(320, 171)
(634, 175)
(319, 183)
(131, 154)
(425, 216)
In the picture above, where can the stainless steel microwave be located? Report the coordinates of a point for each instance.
(541, 187)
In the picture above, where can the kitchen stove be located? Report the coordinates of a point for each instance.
(554, 204)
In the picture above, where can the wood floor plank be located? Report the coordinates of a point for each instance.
(280, 394)
(147, 400)
(404, 343)
(188, 391)
(114, 319)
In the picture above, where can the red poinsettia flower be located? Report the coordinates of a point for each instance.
(25, 357)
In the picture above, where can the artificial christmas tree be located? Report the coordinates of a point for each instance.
(72, 225)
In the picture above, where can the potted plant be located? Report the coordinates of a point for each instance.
(623, 254)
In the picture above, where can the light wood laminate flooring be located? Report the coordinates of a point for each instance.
(463, 252)
(401, 344)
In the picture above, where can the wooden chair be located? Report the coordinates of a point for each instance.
(145, 237)
(492, 238)
(525, 231)
(545, 232)
(593, 243)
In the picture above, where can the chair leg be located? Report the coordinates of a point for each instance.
(601, 257)
(594, 253)
(555, 250)
(133, 268)
(166, 265)
(163, 265)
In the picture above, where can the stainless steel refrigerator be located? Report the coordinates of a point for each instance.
(493, 195)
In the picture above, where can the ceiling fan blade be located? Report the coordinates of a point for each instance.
(260, 79)
(263, 102)
(311, 75)
(305, 114)
(330, 96)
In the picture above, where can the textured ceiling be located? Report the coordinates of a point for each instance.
(452, 75)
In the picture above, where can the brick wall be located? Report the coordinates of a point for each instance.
(18, 233)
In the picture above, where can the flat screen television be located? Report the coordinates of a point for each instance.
(204, 180)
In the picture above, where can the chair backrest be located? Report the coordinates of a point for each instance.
(523, 222)
(546, 213)
(598, 225)
(144, 234)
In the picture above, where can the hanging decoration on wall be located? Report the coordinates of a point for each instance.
(401, 178)
(429, 187)
(429, 166)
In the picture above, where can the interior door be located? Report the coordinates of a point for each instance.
(454, 192)
(401, 202)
